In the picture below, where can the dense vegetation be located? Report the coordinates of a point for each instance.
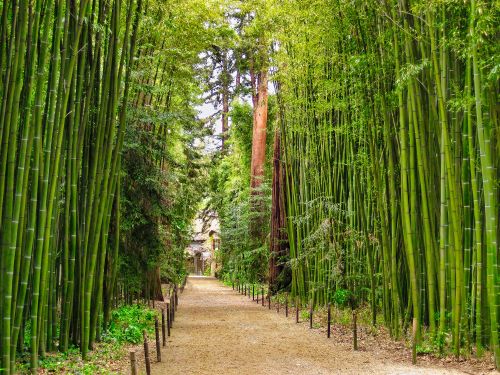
(358, 157)
(97, 131)
(386, 184)
(391, 158)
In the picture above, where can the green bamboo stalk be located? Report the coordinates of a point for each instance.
(490, 204)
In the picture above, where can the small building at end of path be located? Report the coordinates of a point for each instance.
(201, 252)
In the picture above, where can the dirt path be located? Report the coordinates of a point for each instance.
(218, 331)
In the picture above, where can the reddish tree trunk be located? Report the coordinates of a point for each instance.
(155, 278)
(259, 130)
(278, 238)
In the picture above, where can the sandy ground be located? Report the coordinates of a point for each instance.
(218, 331)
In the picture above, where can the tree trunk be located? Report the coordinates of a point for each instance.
(278, 238)
(259, 131)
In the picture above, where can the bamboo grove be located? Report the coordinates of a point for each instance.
(65, 69)
(390, 140)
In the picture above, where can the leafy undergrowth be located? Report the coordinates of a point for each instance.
(125, 328)
(128, 322)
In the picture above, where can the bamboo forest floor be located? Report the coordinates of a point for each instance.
(218, 331)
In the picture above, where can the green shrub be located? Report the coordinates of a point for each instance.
(128, 322)
(342, 297)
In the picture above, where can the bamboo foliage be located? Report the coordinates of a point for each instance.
(65, 68)
(389, 137)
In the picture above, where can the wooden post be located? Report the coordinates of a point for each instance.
(278, 306)
(297, 310)
(176, 298)
(172, 297)
(172, 308)
(168, 320)
(311, 316)
(183, 284)
(170, 315)
(269, 301)
(286, 306)
(232, 284)
(257, 297)
(146, 353)
(133, 363)
(414, 342)
(354, 330)
(329, 320)
(253, 292)
(262, 296)
(157, 337)
(163, 328)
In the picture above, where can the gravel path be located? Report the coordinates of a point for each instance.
(218, 331)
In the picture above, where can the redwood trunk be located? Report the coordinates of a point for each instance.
(259, 132)
(278, 238)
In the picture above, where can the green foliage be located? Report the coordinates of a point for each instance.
(440, 342)
(163, 165)
(304, 314)
(424, 349)
(128, 322)
(390, 125)
(100, 361)
(242, 254)
(342, 297)
(241, 133)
